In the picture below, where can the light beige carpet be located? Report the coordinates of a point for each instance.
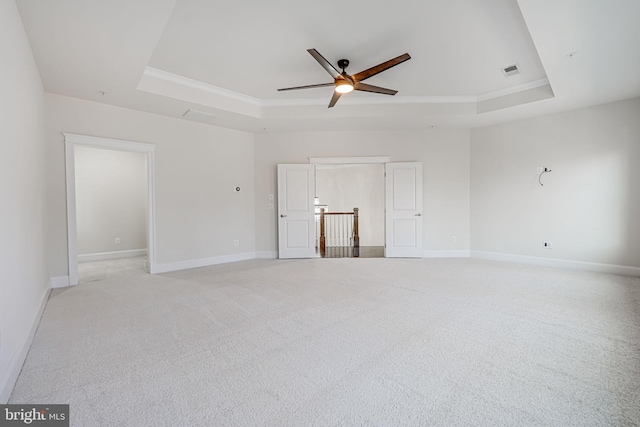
(340, 342)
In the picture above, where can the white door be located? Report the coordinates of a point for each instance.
(403, 183)
(296, 213)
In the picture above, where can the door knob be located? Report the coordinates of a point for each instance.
(282, 216)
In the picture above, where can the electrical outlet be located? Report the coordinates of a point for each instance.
(270, 205)
(270, 196)
(117, 241)
(547, 244)
(454, 239)
(236, 243)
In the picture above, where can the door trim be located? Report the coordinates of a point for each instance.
(348, 160)
(70, 141)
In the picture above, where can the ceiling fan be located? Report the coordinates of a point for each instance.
(344, 83)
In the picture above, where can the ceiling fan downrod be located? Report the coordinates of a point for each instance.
(343, 63)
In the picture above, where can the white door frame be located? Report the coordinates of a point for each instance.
(349, 160)
(70, 141)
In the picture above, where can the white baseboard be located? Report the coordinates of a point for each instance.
(59, 282)
(447, 254)
(9, 378)
(266, 254)
(559, 263)
(202, 262)
(101, 256)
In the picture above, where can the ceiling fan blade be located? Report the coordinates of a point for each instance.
(375, 89)
(307, 86)
(334, 98)
(325, 64)
(362, 75)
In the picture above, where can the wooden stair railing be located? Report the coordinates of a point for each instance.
(339, 230)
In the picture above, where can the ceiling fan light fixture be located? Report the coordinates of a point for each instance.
(344, 87)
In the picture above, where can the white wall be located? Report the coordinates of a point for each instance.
(111, 195)
(589, 206)
(23, 278)
(197, 167)
(445, 158)
(344, 187)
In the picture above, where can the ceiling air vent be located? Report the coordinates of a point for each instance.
(198, 116)
(511, 70)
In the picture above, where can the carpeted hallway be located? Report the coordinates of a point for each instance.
(340, 342)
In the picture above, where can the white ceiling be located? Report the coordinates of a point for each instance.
(228, 58)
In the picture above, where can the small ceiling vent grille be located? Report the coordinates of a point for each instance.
(198, 116)
(511, 70)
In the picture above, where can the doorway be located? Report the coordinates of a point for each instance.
(111, 211)
(79, 145)
(341, 188)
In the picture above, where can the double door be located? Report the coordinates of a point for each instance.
(403, 213)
